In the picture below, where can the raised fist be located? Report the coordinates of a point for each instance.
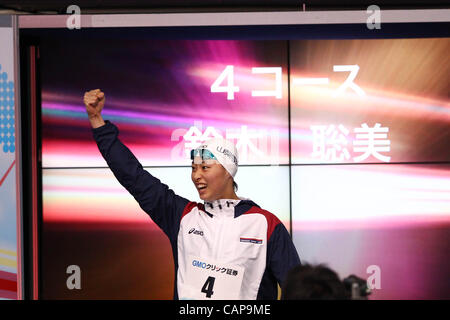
(94, 101)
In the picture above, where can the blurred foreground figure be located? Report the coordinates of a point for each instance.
(307, 282)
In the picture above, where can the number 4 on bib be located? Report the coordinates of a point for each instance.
(208, 287)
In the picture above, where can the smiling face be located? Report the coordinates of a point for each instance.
(212, 181)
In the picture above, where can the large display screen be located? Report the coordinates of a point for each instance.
(370, 101)
(347, 141)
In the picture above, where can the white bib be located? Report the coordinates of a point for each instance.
(207, 279)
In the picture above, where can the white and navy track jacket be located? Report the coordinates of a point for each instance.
(227, 249)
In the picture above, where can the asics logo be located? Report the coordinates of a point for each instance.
(197, 232)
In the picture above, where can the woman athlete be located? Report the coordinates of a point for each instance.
(224, 248)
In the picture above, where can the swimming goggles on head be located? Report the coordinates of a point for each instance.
(202, 153)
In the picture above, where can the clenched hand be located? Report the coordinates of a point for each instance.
(94, 101)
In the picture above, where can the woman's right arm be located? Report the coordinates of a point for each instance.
(155, 198)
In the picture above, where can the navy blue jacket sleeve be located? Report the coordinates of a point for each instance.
(282, 255)
(155, 198)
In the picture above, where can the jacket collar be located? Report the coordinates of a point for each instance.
(228, 207)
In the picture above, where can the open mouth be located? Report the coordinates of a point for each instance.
(201, 187)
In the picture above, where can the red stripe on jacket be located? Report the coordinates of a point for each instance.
(272, 220)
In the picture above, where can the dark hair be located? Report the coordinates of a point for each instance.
(235, 186)
(307, 282)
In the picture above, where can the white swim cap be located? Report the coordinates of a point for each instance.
(222, 150)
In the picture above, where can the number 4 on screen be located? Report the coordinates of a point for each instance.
(230, 89)
(228, 76)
